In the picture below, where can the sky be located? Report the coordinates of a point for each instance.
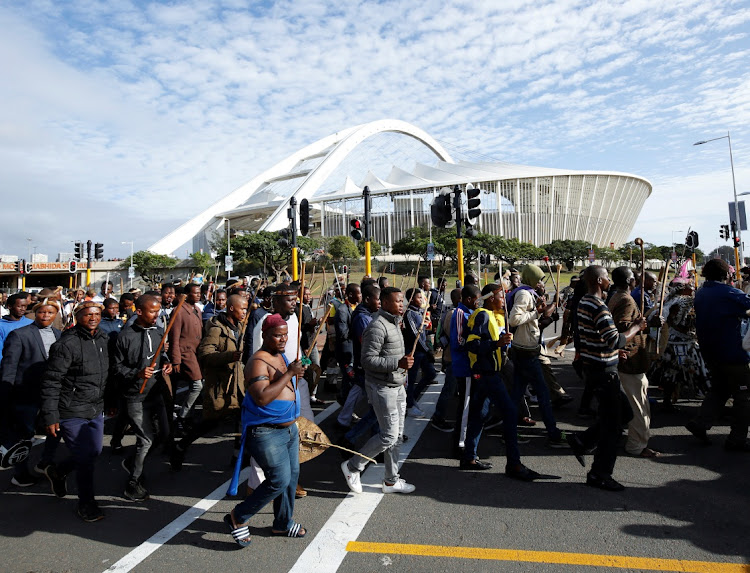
(121, 120)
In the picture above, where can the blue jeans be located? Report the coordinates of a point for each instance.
(486, 388)
(84, 440)
(446, 394)
(276, 450)
(423, 362)
(528, 370)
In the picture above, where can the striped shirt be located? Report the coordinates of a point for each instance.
(599, 337)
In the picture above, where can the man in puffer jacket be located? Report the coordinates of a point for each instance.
(73, 401)
(385, 364)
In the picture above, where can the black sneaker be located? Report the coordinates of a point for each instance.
(698, 431)
(57, 480)
(26, 480)
(441, 425)
(475, 464)
(561, 400)
(90, 512)
(607, 483)
(135, 491)
(116, 448)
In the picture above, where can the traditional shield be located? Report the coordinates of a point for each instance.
(15, 454)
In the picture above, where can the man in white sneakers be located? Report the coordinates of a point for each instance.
(385, 364)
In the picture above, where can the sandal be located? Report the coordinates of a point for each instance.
(240, 534)
(296, 530)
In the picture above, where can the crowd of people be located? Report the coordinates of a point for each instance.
(254, 355)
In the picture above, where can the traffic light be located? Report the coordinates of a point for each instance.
(79, 250)
(472, 209)
(99, 251)
(344, 270)
(18, 266)
(72, 267)
(304, 217)
(356, 231)
(724, 232)
(473, 202)
(691, 241)
(441, 210)
(284, 236)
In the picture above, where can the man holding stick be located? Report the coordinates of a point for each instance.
(133, 353)
(415, 340)
(385, 363)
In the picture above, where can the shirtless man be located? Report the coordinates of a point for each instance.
(269, 411)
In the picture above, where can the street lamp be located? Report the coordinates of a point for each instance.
(130, 274)
(734, 187)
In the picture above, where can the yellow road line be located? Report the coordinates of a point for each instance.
(617, 561)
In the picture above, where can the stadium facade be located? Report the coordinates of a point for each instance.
(404, 167)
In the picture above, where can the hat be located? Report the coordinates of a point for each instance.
(87, 304)
(273, 321)
(531, 274)
(47, 302)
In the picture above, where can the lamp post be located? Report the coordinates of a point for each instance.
(130, 275)
(734, 188)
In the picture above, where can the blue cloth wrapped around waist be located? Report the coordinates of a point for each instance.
(276, 412)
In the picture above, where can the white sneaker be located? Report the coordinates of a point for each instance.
(415, 412)
(352, 478)
(399, 487)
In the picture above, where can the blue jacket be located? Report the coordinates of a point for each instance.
(7, 325)
(459, 334)
(361, 318)
(719, 310)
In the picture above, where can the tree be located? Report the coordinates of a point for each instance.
(203, 263)
(607, 255)
(375, 248)
(567, 251)
(150, 265)
(256, 250)
(343, 248)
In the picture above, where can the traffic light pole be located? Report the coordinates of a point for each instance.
(295, 255)
(368, 238)
(459, 236)
(88, 263)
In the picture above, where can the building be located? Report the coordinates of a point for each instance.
(405, 168)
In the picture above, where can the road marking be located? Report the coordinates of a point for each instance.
(140, 553)
(329, 548)
(592, 560)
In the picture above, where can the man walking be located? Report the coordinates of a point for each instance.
(385, 364)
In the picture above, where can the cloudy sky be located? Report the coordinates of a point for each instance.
(120, 120)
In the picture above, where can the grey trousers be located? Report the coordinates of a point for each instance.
(195, 390)
(389, 405)
(141, 416)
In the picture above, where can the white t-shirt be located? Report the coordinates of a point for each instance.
(291, 345)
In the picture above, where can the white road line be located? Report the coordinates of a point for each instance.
(327, 551)
(140, 553)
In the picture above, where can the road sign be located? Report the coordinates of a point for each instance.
(743, 217)
(131, 272)
(228, 263)
(592, 255)
(430, 251)
(674, 257)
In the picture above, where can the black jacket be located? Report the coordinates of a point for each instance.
(342, 321)
(134, 350)
(75, 381)
(22, 368)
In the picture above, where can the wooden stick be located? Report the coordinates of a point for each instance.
(299, 318)
(638, 241)
(330, 445)
(382, 273)
(419, 333)
(164, 339)
(557, 293)
(317, 331)
(661, 303)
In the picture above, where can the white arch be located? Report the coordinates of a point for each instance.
(335, 148)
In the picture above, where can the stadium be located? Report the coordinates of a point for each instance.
(405, 168)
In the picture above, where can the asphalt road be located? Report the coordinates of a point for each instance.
(691, 504)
